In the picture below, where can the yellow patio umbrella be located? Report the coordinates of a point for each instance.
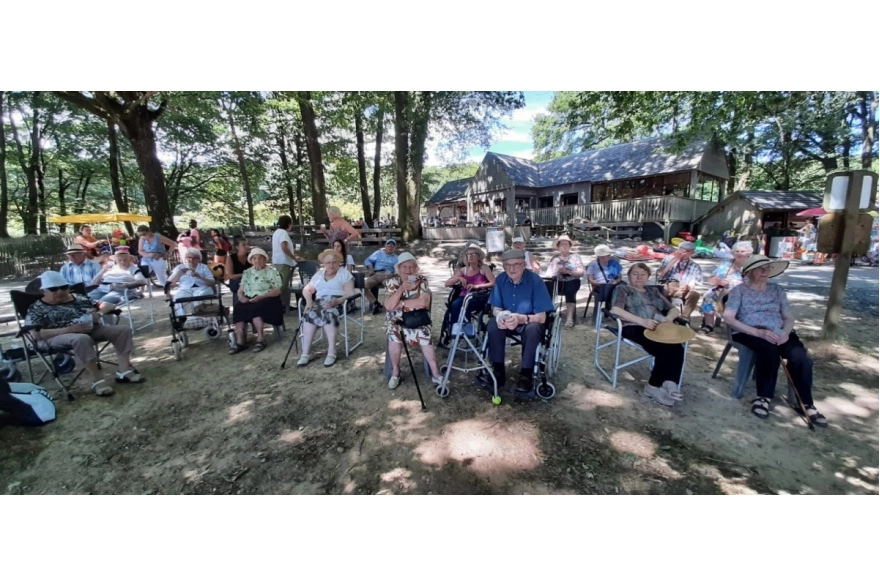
(98, 218)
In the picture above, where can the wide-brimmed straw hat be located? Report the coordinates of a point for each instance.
(603, 251)
(755, 261)
(669, 333)
(403, 258)
(475, 247)
(564, 237)
(257, 251)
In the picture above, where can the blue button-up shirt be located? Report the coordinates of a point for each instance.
(529, 296)
(84, 273)
(381, 261)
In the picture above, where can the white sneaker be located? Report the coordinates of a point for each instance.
(303, 360)
(436, 380)
(672, 390)
(393, 382)
(659, 395)
(328, 362)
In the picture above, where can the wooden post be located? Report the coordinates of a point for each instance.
(845, 237)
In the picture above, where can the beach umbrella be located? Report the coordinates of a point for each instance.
(813, 212)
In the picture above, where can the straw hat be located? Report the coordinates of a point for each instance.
(74, 248)
(603, 251)
(564, 237)
(257, 251)
(755, 261)
(475, 247)
(218, 269)
(403, 258)
(669, 333)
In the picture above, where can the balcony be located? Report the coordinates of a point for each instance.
(662, 209)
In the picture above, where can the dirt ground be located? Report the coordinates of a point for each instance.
(212, 423)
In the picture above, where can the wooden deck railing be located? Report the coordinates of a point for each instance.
(649, 209)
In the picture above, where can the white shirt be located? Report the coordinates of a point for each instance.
(278, 255)
(190, 282)
(333, 287)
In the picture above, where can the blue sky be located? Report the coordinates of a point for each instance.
(516, 139)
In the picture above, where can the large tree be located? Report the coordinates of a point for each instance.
(4, 186)
(135, 117)
(313, 148)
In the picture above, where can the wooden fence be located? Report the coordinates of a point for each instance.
(29, 256)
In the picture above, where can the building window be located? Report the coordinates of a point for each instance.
(708, 188)
(545, 202)
(569, 199)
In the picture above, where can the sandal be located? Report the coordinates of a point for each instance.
(706, 329)
(100, 387)
(238, 348)
(259, 346)
(761, 407)
(816, 418)
(569, 325)
(130, 376)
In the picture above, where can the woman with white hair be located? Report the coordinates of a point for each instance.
(324, 296)
(115, 278)
(727, 276)
(194, 279)
(259, 301)
(407, 292)
(339, 227)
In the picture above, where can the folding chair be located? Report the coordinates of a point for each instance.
(616, 328)
(745, 367)
(353, 313)
(306, 270)
(127, 300)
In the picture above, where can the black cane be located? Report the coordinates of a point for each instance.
(292, 343)
(797, 393)
(413, 371)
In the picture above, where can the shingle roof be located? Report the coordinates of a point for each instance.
(523, 172)
(620, 162)
(781, 200)
(451, 191)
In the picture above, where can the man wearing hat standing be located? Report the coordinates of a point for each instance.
(520, 303)
(519, 243)
(79, 268)
(680, 276)
(381, 266)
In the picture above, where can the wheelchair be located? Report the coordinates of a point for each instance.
(209, 315)
(547, 353)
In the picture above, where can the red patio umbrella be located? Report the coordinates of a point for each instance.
(813, 212)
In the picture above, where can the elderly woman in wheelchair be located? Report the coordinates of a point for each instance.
(641, 309)
(193, 278)
(474, 276)
(322, 301)
(60, 320)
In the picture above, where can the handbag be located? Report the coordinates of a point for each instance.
(416, 318)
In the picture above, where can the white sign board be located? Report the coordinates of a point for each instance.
(495, 241)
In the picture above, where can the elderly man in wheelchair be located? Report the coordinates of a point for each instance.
(521, 305)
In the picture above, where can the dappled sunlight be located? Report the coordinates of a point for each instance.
(634, 443)
(493, 449)
(396, 481)
(291, 437)
(586, 398)
(240, 412)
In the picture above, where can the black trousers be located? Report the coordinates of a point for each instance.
(668, 358)
(529, 333)
(570, 289)
(767, 359)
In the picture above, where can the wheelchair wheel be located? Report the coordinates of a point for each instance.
(555, 348)
(231, 340)
(444, 369)
(184, 339)
(177, 349)
(546, 390)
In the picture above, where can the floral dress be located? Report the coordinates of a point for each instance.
(396, 333)
(724, 271)
(327, 291)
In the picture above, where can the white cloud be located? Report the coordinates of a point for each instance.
(511, 135)
(528, 113)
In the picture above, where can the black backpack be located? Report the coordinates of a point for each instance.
(27, 403)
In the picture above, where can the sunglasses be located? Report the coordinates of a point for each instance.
(54, 289)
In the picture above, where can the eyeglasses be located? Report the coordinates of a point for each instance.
(513, 265)
(54, 289)
(473, 254)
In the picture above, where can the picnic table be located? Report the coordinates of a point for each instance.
(372, 236)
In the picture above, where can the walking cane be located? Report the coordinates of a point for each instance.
(803, 410)
(413, 371)
(292, 343)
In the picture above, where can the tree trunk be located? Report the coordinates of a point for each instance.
(281, 139)
(362, 166)
(63, 184)
(748, 162)
(867, 112)
(401, 156)
(4, 187)
(41, 192)
(298, 143)
(138, 129)
(29, 167)
(421, 117)
(242, 166)
(377, 163)
(115, 184)
(316, 165)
